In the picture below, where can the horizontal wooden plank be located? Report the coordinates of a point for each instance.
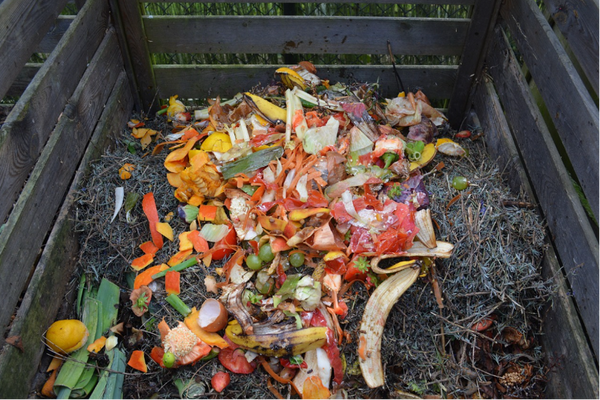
(44, 295)
(23, 79)
(203, 81)
(572, 235)
(304, 35)
(578, 22)
(31, 219)
(564, 337)
(55, 33)
(22, 26)
(28, 126)
(450, 2)
(573, 111)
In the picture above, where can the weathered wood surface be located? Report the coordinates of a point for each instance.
(575, 241)
(42, 195)
(573, 110)
(129, 25)
(449, 2)
(23, 24)
(28, 127)
(498, 138)
(55, 33)
(578, 22)
(575, 376)
(203, 81)
(482, 23)
(44, 295)
(310, 35)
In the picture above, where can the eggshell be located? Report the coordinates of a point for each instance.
(212, 316)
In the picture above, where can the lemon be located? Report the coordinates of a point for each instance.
(66, 335)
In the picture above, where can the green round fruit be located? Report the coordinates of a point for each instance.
(169, 359)
(296, 259)
(254, 262)
(460, 183)
(265, 253)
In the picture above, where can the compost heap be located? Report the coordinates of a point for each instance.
(308, 209)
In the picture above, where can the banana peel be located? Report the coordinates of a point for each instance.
(291, 78)
(371, 328)
(270, 111)
(279, 344)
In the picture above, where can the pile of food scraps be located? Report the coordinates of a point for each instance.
(261, 243)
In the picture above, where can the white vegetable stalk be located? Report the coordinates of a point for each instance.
(119, 197)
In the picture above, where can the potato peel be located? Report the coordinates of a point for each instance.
(371, 328)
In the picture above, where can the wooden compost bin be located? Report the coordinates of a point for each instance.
(513, 58)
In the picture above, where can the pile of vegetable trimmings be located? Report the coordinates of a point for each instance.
(289, 212)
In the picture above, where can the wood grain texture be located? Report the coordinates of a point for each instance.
(203, 81)
(130, 25)
(571, 107)
(482, 23)
(450, 2)
(55, 33)
(565, 343)
(23, 24)
(578, 22)
(572, 235)
(297, 35)
(44, 295)
(564, 336)
(32, 216)
(28, 127)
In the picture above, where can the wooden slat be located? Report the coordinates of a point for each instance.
(571, 107)
(450, 2)
(574, 239)
(22, 26)
(202, 81)
(55, 33)
(482, 24)
(575, 375)
(23, 79)
(129, 20)
(564, 337)
(44, 295)
(578, 22)
(32, 216)
(498, 138)
(28, 126)
(297, 35)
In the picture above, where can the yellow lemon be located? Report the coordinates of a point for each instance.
(217, 141)
(66, 335)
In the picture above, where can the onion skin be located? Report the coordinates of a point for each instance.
(219, 323)
(371, 328)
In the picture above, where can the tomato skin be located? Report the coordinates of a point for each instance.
(220, 380)
(229, 239)
(232, 358)
(335, 266)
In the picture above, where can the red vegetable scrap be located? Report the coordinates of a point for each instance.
(149, 207)
(314, 195)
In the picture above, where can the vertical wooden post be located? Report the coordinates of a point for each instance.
(483, 20)
(132, 38)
